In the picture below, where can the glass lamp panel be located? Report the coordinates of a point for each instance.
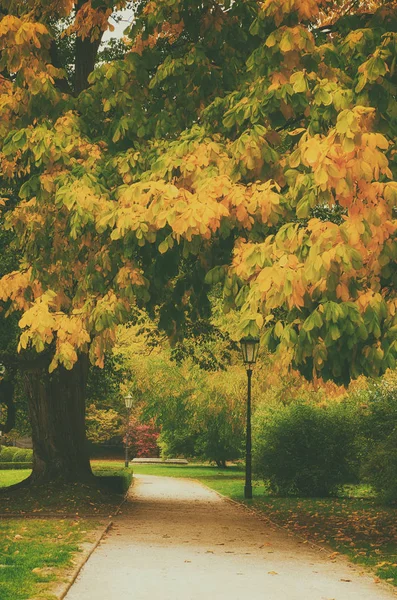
(128, 401)
(249, 349)
(250, 352)
(243, 351)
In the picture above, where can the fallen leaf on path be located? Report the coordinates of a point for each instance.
(272, 573)
(346, 580)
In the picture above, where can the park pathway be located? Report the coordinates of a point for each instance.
(177, 540)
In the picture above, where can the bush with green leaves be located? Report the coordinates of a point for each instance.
(378, 436)
(7, 453)
(22, 455)
(13, 454)
(304, 448)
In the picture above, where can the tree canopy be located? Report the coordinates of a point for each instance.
(243, 142)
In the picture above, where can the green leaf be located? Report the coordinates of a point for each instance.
(299, 82)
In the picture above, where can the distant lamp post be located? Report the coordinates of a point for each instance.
(249, 349)
(128, 399)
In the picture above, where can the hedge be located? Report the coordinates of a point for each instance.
(4, 466)
(11, 453)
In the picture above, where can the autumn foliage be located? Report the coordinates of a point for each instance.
(258, 137)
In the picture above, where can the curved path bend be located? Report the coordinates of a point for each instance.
(178, 540)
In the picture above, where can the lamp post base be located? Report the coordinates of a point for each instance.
(126, 463)
(248, 491)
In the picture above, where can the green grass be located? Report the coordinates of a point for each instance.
(35, 553)
(62, 499)
(11, 477)
(354, 523)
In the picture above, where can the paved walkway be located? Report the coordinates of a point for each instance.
(177, 540)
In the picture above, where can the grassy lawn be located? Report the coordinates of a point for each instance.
(10, 477)
(35, 553)
(61, 499)
(353, 524)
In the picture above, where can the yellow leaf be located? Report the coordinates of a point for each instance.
(313, 151)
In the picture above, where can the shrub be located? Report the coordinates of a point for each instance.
(305, 449)
(378, 436)
(118, 482)
(22, 455)
(13, 454)
(380, 468)
(7, 453)
(14, 466)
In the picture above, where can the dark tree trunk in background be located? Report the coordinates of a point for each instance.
(7, 398)
(57, 414)
(86, 52)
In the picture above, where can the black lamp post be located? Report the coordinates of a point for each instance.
(128, 404)
(249, 349)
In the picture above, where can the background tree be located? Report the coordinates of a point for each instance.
(200, 414)
(102, 424)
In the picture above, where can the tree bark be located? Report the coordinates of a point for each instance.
(7, 398)
(57, 413)
(86, 52)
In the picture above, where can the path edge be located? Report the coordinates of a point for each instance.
(60, 595)
(256, 512)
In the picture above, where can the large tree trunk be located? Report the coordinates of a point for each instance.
(57, 414)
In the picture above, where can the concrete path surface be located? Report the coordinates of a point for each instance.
(177, 540)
